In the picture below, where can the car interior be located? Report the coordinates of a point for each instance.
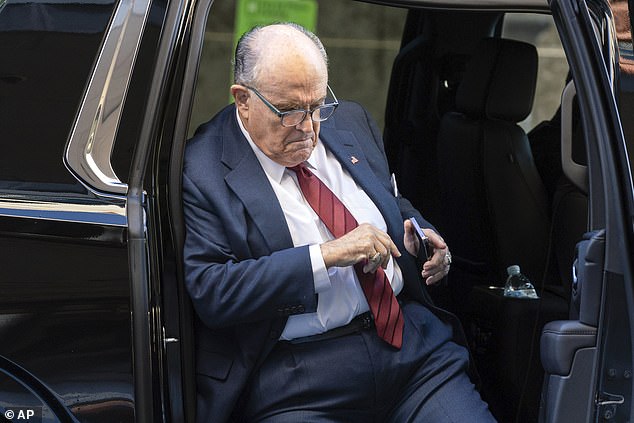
(500, 188)
(467, 165)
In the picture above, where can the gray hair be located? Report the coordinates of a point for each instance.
(245, 63)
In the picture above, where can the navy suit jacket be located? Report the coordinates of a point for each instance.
(241, 270)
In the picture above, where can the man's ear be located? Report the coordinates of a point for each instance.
(241, 97)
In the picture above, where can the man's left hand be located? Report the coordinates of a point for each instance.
(437, 267)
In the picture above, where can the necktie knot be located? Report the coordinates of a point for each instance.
(301, 169)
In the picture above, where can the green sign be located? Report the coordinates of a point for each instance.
(250, 13)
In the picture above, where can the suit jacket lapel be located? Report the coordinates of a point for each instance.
(250, 184)
(346, 148)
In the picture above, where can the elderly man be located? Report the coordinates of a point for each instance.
(300, 258)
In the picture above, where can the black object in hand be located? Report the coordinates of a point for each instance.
(425, 249)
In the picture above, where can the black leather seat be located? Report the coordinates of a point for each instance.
(495, 207)
(411, 124)
(496, 213)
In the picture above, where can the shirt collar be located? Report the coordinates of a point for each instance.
(312, 160)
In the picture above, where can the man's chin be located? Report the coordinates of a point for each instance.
(298, 157)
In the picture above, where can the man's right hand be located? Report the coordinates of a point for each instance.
(361, 243)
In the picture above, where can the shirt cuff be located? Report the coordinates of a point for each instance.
(321, 279)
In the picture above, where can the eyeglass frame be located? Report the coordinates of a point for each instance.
(306, 112)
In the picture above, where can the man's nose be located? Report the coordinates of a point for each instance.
(307, 125)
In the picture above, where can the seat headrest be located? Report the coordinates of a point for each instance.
(499, 80)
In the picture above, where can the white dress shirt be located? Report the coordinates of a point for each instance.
(340, 297)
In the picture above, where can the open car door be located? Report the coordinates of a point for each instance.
(588, 358)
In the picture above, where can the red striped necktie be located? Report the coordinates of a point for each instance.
(388, 317)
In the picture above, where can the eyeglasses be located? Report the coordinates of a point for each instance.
(297, 116)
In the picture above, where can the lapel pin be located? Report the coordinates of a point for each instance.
(354, 160)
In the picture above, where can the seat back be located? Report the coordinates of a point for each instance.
(494, 203)
(411, 124)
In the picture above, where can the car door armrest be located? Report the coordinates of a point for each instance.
(560, 341)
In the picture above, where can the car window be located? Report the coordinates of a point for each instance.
(47, 50)
(360, 55)
(540, 31)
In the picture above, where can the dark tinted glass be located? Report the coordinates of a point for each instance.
(136, 101)
(47, 50)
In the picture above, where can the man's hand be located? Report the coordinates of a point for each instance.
(365, 242)
(437, 266)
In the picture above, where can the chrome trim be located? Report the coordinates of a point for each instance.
(578, 174)
(88, 151)
(103, 214)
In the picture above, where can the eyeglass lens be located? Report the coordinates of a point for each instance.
(319, 114)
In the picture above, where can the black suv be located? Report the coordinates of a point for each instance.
(516, 148)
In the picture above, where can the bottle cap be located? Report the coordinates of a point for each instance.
(513, 270)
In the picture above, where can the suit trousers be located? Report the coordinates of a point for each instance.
(360, 378)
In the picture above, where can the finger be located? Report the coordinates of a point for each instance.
(436, 240)
(374, 257)
(434, 262)
(410, 240)
(380, 242)
(389, 248)
(438, 258)
(394, 249)
(371, 266)
(439, 262)
(408, 228)
(380, 258)
(435, 278)
(386, 260)
(434, 274)
(367, 239)
(432, 271)
(383, 258)
(377, 257)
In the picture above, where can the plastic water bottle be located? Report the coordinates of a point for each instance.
(518, 285)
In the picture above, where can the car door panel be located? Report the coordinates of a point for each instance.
(568, 348)
(587, 364)
(65, 315)
(568, 398)
(66, 310)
